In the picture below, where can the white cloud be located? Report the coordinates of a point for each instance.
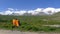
(49, 9)
(10, 9)
(20, 12)
(8, 12)
(33, 12)
(1, 13)
(57, 10)
(38, 9)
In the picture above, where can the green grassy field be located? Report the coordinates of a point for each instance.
(31, 23)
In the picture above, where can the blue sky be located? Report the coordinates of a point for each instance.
(28, 4)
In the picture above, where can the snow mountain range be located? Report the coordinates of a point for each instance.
(38, 11)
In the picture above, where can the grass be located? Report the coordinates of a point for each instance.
(30, 23)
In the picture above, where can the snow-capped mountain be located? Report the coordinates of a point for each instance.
(38, 11)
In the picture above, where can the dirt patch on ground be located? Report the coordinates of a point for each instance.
(18, 32)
